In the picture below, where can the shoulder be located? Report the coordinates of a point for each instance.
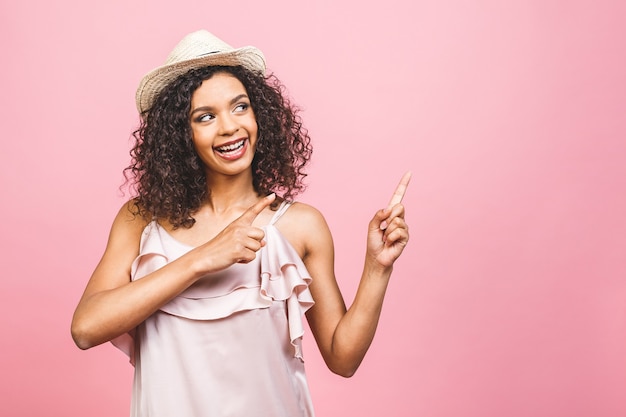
(304, 217)
(122, 248)
(305, 227)
(130, 213)
(302, 211)
(129, 222)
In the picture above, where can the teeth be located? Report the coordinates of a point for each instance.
(231, 147)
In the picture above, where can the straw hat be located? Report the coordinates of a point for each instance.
(196, 50)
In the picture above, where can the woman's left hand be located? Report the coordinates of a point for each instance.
(388, 232)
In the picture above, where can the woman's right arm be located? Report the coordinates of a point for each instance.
(112, 304)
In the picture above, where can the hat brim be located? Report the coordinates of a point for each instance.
(152, 83)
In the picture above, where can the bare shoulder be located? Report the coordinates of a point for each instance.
(126, 231)
(122, 248)
(303, 211)
(305, 227)
(129, 218)
(303, 218)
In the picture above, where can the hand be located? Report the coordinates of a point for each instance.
(388, 232)
(238, 242)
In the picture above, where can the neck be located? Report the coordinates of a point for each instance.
(228, 192)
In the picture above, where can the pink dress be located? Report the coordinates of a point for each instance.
(229, 345)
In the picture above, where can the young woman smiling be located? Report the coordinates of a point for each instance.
(209, 269)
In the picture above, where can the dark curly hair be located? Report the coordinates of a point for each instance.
(167, 176)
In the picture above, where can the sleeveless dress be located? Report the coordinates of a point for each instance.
(230, 344)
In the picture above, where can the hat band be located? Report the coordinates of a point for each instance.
(208, 53)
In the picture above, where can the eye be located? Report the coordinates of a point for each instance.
(241, 107)
(206, 117)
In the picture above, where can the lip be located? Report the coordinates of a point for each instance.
(234, 154)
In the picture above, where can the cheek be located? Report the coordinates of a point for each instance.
(253, 127)
(254, 139)
(201, 138)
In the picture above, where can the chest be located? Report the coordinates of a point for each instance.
(207, 228)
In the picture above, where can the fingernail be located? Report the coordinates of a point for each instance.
(383, 225)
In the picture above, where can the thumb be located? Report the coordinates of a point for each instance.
(249, 215)
(379, 220)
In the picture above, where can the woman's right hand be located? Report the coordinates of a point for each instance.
(237, 243)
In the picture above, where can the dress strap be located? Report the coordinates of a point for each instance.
(281, 210)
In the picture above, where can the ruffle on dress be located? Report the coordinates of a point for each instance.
(283, 277)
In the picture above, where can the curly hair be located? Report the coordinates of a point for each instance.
(168, 176)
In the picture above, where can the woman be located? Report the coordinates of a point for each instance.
(207, 272)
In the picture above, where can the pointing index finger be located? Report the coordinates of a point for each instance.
(254, 210)
(398, 194)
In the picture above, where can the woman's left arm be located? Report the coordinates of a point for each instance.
(344, 335)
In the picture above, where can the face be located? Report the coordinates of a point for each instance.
(223, 125)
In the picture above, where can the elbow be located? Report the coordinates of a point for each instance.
(82, 345)
(346, 369)
(344, 362)
(81, 336)
(346, 373)
(80, 340)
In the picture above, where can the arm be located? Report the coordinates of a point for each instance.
(344, 336)
(112, 304)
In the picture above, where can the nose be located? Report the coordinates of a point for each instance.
(228, 125)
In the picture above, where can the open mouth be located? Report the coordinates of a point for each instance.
(231, 148)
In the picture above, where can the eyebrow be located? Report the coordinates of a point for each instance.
(232, 101)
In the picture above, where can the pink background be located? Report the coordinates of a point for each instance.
(509, 300)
